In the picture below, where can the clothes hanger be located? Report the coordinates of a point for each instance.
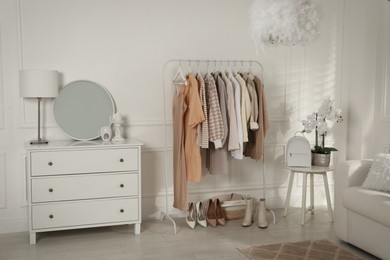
(235, 71)
(229, 69)
(198, 67)
(179, 78)
(250, 73)
(240, 70)
(189, 66)
(221, 67)
(215, 68)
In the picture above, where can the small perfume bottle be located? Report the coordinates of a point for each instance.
(105, 133)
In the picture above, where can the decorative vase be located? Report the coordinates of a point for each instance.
(117, 134)
(320, 159)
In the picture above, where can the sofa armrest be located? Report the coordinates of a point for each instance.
(347, 174)
(351, 173)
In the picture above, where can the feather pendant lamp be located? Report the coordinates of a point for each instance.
(284, 22)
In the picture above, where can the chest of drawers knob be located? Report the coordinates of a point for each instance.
(51, 216)
(121, 160)
(122, 210)
(122, 185)
(50, 163)
(50, 190)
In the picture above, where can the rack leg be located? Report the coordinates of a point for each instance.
(166, 215)
(273, 215)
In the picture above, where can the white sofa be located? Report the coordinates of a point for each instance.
(362, 216)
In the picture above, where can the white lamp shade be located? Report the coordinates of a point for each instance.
(38, 83)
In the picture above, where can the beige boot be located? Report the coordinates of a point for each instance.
(248, 219)
(262, 212)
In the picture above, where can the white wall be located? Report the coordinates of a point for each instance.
(366, 75)
(123, 45)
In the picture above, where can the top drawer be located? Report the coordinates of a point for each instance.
(83, 161)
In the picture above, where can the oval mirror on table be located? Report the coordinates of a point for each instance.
(82, 108)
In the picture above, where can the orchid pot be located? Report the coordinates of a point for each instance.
(320, 159)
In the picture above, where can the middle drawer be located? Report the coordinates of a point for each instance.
(86, 186)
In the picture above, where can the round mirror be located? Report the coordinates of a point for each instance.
(82, 108)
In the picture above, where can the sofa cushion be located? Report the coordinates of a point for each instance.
(378, 177)
(372, 204)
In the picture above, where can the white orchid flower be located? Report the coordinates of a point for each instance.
(323, 128)
(319, 120)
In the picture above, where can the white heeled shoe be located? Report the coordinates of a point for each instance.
(191, 215)
(201, 214)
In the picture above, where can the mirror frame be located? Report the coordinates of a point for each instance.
(92, 135)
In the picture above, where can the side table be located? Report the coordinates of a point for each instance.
(309, 171)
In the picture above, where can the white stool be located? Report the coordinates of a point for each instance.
(311, 171)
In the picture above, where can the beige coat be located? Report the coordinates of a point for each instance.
(255, 146)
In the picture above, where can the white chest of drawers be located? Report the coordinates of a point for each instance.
(83, 184)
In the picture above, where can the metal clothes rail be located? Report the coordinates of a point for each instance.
(198, 62)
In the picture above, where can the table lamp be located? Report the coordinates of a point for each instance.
(38, 84)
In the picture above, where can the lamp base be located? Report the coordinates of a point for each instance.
(39, 142)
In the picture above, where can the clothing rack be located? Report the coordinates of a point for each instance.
(208, 62)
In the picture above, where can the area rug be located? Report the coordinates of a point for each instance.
(318, 250)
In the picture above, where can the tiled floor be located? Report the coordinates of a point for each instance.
(157, 240)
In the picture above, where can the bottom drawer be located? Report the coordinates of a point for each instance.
(78, 213)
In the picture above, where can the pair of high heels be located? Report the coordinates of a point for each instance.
(215, 214)
(196, 214)
(261, 214)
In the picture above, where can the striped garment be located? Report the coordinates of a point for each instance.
(216, 131)
(202, 131)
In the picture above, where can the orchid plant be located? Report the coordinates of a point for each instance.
(318, 121)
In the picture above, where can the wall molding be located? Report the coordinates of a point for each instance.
(23, 178)
(222, 190)
(340, 46)
(25, 124)
(160, 122)
(385, 115)
(385, 148)
(2, 107)
(159, 149)
(3, 181)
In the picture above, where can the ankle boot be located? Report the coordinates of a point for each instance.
(248, 219)
(262, 210)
